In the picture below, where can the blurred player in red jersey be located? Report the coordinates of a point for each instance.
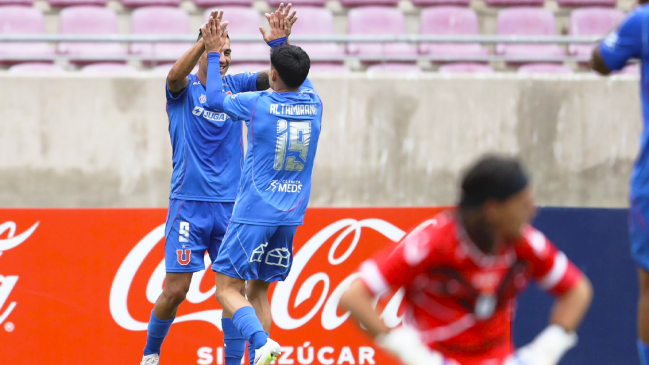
(462, 272)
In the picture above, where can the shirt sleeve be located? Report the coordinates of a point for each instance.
(241, 106)
(243, 82)
(551, 268)
(180, 95)
(624, 43)
(398, 266)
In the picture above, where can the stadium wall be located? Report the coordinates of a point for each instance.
(101, 141)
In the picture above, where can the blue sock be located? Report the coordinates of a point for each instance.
(251, 352)
(158, 330)
(643, 350)
(246, 321)
(235, 344)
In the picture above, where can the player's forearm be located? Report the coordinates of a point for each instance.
(570, 308)
(214, 93)
(183, 67)
(359, 301)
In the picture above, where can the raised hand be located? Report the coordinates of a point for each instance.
(215, 32)
(281, 23)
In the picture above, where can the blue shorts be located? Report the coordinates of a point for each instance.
(252, 252)
(639, 231)
(193, 228)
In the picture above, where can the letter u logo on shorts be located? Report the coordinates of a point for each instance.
(187, 256)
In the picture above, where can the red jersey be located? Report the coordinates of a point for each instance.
(460, 299)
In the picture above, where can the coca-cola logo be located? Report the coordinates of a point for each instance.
(281, 306)
(8, 282)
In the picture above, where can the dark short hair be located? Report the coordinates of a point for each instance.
(492, 177)
(292, 64)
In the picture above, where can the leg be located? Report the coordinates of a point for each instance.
(164, 310)
(643, 317)
(257, 292)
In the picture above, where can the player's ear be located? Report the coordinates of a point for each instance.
(273, 75)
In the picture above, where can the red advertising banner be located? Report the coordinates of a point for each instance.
(78, 285)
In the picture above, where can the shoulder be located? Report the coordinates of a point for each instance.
(533, 243)
(433, 237)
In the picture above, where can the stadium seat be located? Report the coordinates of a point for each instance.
(22, 20)
(576, 3)
(328, 67)
(632, 69)
(515, 2)
(221, 3)
(546, 68)
(65, 3)
(317, 22)
(527, 22)
(109, 68)
(465, 68)
(300, 3)
(85, 20)
(160, 20)
(353, 3)
(591, 22)
(16, 2)
(378, 20)
(450, 20)
(245, 21)
(35, 67)
(394, 67)
(140, 3)
(424, 3)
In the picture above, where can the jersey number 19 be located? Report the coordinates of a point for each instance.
(295, 135)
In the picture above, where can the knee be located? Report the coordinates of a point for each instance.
(257, 292)
(176, 293)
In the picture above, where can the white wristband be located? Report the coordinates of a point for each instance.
(554, 341)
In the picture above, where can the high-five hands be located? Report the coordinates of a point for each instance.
(215, 32)
(281, 22)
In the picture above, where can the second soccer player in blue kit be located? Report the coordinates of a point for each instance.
(283, 133)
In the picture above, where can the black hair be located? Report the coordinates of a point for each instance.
(292, 64)
(492, 177)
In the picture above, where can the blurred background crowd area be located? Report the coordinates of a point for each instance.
(175, 23)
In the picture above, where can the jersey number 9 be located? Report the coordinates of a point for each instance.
(297, 135)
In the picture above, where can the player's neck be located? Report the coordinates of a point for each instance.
(480, 232)
(279, 87)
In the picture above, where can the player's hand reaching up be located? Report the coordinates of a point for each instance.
(215, 32)
(281, 23)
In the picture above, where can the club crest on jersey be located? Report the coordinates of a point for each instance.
(202, 99)
(184, 257)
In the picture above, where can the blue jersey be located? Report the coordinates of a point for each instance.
(629, 41)
(206, 144)
(283, 133)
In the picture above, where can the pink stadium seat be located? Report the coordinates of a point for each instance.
(160, 20)
(632, 69)
(463, 3)
(515, 2)
(301, 3)
(109, 68)
(317, 22)
(575, 3)
(64, 3)
(328, 67)
(394, 67)
(22, 20)
(378, 20)
(16, 2)
(591, 22)
(465, 68)
(35, 67)
(245, 21)
(139, 3)
(450, 20)
(352, 3)
(531, 22)
(84, 20)
(221, 3)
(546, 68)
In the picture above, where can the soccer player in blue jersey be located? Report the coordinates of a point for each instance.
(207, 159)
(631, 41)
(284, 128)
